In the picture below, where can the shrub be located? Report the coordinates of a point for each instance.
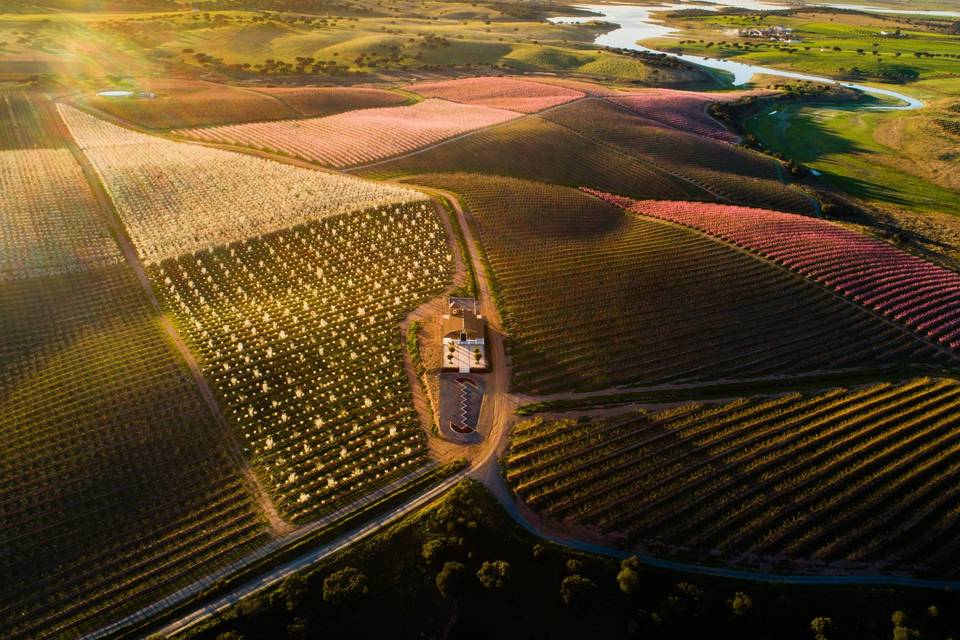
(576, 591)
(493, 575)
(344, 586)
(450, 580)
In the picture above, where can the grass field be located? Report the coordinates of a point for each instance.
(844, 145)
(853, 46)
(593, 297)
(856, 476)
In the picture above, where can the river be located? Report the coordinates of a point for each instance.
(636, 23)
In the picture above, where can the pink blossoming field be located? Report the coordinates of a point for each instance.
(359, 137)
(512, 94)
(901, 286)
(684, 110)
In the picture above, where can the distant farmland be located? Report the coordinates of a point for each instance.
(594, 297)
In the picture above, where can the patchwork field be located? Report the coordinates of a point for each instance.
(117, 485)
(359, 137)
(289, 290)
(594, 297)
(502, 93)
(909, 290)
(179, 198)
(859, 477)
(220, 337)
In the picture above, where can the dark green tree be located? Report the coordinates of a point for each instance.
(576, 591)
(629, 577)
(344, 586)
(493, 575)
(450, 580)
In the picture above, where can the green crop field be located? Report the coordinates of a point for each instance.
(858, 476)
(593, 298)
(843, 145)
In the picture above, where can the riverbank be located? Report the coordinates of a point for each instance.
(641, 24)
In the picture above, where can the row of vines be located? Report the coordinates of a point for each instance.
(297, 332)
(857, 477)
(595, 297)
(919, 294)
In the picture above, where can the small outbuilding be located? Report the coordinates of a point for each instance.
(464, 333)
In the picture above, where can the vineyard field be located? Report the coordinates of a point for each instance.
(854, 478)
(909, 290)
(594, 297)
(116, 484)
(27, 123)
(681, 110)
(359, 137)
(48, 221)
(297, 333)
(729, 171)
(191, 103)
(512, 94)
(178, 198)
(314, 102)
(543, 151)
